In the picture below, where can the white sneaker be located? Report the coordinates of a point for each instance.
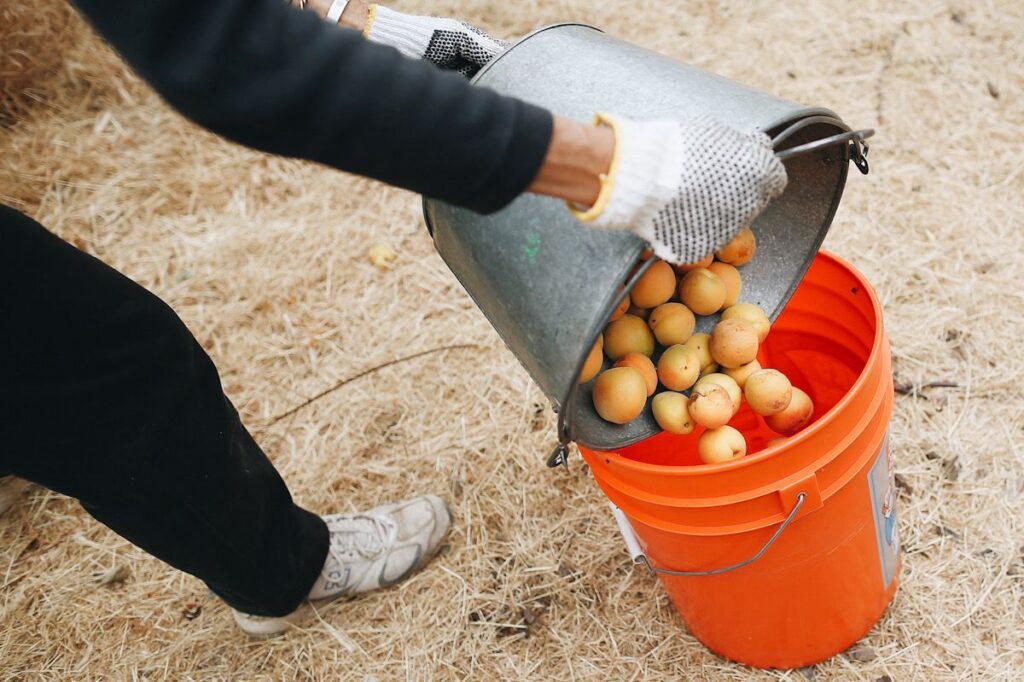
(10, 491)
(368, 551)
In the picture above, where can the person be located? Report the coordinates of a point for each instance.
(109, 399)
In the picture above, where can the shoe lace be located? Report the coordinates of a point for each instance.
(361, 535)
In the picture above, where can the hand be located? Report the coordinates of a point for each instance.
(448, 43)
(685, 187)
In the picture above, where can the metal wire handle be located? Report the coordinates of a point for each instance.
(640, 558)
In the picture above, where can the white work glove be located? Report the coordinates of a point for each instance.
(450, 44)
(685, 186)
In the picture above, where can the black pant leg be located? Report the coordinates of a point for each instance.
(106, 396)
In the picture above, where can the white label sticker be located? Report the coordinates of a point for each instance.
(882, 481)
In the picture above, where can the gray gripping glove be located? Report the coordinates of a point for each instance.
(450, 44)
(685, 186)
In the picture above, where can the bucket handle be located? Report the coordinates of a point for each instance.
(638, 556)
(858, 150)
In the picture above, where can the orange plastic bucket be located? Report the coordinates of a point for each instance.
(821, 583)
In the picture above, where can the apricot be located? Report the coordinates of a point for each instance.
(733, 342)
(628, 334)
(592, 365)
(655, 286)
(621, 310)
(730, 276)
(741, 373)
(710, 369)
(620, 394)
(702, 263)
(678, 368)
(719, 445)
(726, 382)
(702, 291)
(711, 406)
(768, 392)
(740, 250)
(671, 323)
(700, 343)
(642, 364)
(794, 417)
(671, 413)
(752, 314)
(642, 313)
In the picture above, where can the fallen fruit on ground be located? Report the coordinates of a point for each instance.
(592, 365)
(655, 286)
(752, 314)
(620, 394)
(671, 323)
(642, 364)
(671, 412)
(723, 444)
(794, 417)
(740, 250)
(628, 334)
(730, 276)
(711, 406)
(702, 291)
(768, 392)
(733, 343)
(678, 368)
(741, 373)
(726, 382)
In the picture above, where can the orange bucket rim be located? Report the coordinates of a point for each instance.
(819, 425)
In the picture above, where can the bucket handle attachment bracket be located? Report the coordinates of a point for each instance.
(639, 557)
(853, 141)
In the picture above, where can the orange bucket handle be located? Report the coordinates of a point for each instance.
(638, 556)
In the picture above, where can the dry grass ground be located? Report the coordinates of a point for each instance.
(265, 259)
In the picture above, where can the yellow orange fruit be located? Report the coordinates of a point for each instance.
(655, 286)
(702, 291)
(628, 334)
(740, 250)
(621, 310)
(671, 413)
(700, 343)
(592, 365)
(620, 394)
(740, 374)
(733, 342)
(642, 313)
(768, 392)
(723, 444)
(671, 323)
(678, 368)
(752, 314)
(642, 364)
(710, 406)
(702, 263)
(726, 382)
(730, 276)
(794, 417)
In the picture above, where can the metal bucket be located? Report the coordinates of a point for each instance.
(548, 284)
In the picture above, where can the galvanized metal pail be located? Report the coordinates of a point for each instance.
(548, 284)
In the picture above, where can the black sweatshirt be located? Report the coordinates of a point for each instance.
(281, 80)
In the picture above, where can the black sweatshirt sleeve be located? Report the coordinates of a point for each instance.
(268, 76)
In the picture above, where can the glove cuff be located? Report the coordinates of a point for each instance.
(408, 33)
(643, 176)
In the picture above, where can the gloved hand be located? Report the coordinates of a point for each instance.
(685, 186)
(450, 44)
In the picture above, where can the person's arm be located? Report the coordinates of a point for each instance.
(284, 81)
